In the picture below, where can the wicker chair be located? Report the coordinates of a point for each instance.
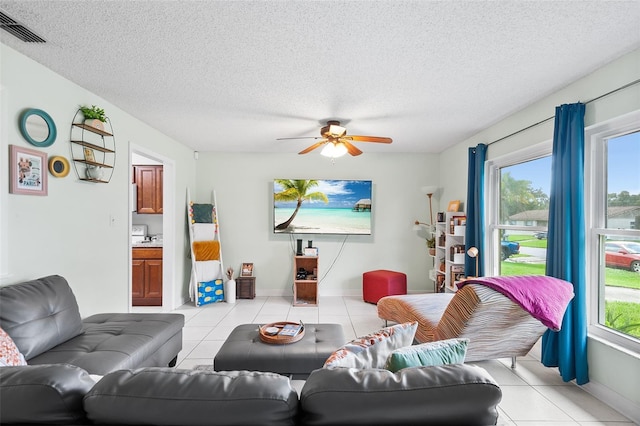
(495, 326)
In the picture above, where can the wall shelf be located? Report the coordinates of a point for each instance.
(93, 150)
(93, 129)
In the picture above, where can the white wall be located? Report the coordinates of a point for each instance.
(69, 232)
(614, 373)
(243, 184)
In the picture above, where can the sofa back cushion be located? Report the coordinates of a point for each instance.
(455, 394)
(43, 394)
(39, 314)
(165, 396)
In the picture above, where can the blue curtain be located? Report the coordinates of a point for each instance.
(567, 348)
(474, 233)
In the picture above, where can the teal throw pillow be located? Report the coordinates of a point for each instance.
(442, 352)
(202, 213)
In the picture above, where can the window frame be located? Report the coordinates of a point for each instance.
(492, 207)
(595, 219)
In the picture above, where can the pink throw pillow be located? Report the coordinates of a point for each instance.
(9, 353)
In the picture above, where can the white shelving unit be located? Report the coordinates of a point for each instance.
(438, 272)
(448, 264)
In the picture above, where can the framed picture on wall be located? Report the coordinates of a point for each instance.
(28, 170)
(247, 270)
(89, 155)
(453, 206)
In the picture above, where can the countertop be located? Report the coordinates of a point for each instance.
(147, 245)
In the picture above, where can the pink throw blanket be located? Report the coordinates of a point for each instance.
(545, 298)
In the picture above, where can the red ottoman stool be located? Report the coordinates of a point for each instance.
(380, 283)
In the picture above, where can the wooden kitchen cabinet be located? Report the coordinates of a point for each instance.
(148, 180)
(146, 279)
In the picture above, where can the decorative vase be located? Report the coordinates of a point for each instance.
(95, 123)
(94, 172)
(230, 291)
(432, 251)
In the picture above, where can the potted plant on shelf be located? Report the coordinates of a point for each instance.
(93, 116)
(431, 243)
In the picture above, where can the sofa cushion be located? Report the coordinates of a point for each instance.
(442, 352)
(9, 353)
(372, 350)
(114, 341)
(39, 314)
(43, 394)
(164, 396)
(456, 394)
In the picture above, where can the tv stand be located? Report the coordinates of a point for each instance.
(305, 291)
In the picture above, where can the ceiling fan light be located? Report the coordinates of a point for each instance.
(337, 130)
(340, 150)
(334, 150)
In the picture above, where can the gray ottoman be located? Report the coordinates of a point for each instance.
(244, 350)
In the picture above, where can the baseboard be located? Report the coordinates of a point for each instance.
(614, 400)
(341, 292)
(335, 293)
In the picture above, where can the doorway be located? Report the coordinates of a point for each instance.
(159, 236)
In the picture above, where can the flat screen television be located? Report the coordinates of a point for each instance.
(307, 206)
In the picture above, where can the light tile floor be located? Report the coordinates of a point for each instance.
(532, 393)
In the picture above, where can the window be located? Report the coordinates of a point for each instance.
(518, 189)
(518, 212)
(613, 225)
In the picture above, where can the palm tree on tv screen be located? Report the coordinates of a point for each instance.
(298, 191)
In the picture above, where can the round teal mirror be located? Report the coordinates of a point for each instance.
(37, 127)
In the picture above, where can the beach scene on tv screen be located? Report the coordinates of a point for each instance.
(322, 206)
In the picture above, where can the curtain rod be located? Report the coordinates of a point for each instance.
(553, 116)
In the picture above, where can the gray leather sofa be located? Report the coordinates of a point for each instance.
(444, 395)
(62, 350)
(43, 319)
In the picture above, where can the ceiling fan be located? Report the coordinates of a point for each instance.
(337, 142)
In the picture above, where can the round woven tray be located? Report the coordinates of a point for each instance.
(277, 339)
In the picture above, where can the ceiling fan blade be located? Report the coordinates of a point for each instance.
(312, 147)
(303, 137)
(352, 149)
(377, 139)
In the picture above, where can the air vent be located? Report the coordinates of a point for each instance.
(11, 26)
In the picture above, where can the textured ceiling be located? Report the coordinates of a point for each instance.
(237, 75)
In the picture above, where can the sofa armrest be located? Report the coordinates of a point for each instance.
(165, 396)
(444, 395)
(39, 394)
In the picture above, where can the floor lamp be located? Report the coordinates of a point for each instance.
(430, 190)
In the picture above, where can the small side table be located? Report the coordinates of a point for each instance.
(245, 287)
